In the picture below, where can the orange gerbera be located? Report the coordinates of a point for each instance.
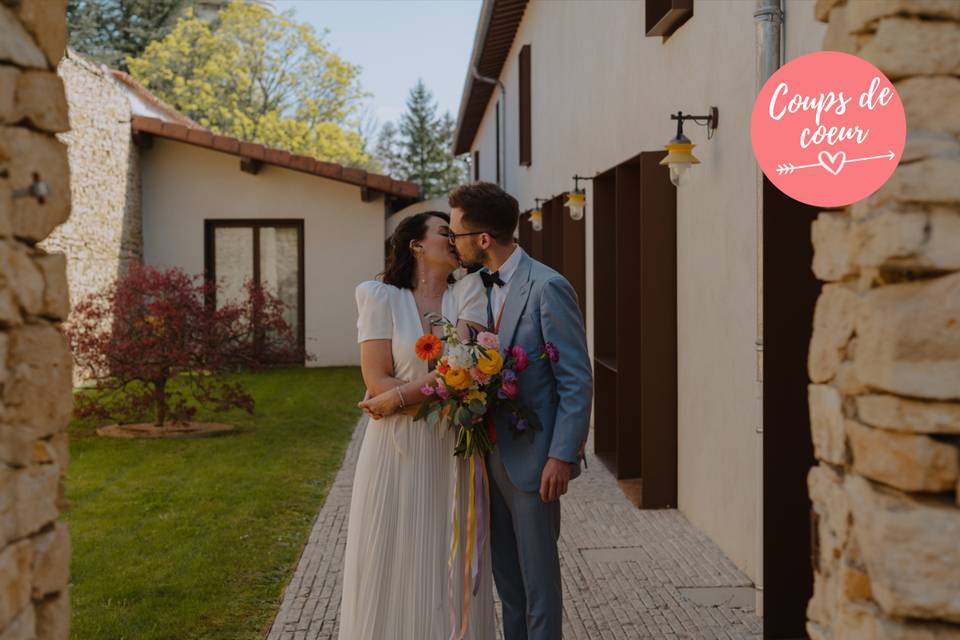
(429, 347)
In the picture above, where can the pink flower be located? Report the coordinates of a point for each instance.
(551, 351)
(488, 340)
(520, 356)
(426, 390)
(479, 376)
(442, 392)
(508, 390)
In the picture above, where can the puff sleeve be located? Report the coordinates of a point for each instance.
(375, 317)
(471, 299)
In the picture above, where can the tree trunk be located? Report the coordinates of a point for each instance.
(160, 397)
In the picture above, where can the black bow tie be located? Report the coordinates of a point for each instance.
(490, 279)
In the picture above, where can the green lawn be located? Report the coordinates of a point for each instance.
(197, 538)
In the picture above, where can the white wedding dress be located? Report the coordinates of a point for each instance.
(395, 577)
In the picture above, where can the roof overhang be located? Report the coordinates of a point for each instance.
(496, 29)
(253, 155)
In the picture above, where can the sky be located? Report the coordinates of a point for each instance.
(396, 42)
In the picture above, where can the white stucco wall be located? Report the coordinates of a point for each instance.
(184, 185)
(601, 103)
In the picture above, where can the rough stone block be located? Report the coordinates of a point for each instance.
(909, 47)
(56, 291)
(14, 580)
(47, 22)
(930, 102)
(910, 462)
(53, 617)
(23, 154)
(831, 246)
(16, 45)
(40, 365)
(826, 424)
(910, 550)
(51, 561)
(909, 338)
(833, 320)
(902, 414)
(863, 15)
(8, 92)
(36, 495)
(41, 101)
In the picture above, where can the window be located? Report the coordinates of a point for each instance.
(524, 93)
(497, 132)
(665, 16)
(267, 251)
(476, 165)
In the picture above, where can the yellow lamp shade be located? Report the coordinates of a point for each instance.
(679, 152)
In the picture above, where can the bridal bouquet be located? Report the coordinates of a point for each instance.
(474, 376)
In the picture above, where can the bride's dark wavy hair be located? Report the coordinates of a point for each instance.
(401, 262)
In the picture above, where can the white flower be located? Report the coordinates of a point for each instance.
(459, 357)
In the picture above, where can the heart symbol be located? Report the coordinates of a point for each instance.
(829, 160)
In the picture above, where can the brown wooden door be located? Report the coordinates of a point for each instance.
(789, 295)
(635, 339)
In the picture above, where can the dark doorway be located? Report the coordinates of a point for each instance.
(635, 327)
(789, 294)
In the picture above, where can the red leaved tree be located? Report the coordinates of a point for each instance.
(153, 325)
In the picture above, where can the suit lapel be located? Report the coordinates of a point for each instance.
(515, 303)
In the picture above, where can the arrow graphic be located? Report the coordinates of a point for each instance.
(827, 161)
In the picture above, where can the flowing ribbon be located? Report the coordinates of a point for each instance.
(476, 527)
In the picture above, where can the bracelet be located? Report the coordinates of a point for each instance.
(400, 393)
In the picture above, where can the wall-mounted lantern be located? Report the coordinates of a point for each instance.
(680, 150)
(536, 215)
(577, 199)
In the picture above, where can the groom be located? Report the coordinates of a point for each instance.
(529, 304)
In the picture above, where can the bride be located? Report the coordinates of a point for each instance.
(395, 582)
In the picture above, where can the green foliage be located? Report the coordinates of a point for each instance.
(109, 31)
(259, 76)
(418, 148)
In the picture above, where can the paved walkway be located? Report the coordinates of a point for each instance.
(627, 574)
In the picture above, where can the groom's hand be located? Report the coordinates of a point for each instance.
(554, 479)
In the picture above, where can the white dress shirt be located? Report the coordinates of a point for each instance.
(498, 294)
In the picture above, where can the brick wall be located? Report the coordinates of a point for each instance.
(884, 358)
(35, 364)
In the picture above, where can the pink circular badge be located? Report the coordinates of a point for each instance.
(828, 129)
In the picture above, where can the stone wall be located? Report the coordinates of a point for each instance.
(104, 234)
(884, 358)
(35, 366)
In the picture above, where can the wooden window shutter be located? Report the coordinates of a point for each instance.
(526, 154)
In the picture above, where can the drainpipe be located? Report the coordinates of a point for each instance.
(503, 122)
(768, 16)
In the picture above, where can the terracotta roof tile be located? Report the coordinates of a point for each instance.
(277, 157)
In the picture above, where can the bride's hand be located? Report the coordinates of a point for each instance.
(381, 405)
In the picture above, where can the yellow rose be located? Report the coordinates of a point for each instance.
(476, 394)
(457, 378)
(491, 362)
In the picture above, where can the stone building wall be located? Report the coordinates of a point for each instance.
(103, 235)
(35, 380)
(884, 358)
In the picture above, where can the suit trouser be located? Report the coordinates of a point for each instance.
(526, 562)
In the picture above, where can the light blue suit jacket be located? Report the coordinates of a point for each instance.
(541, 306)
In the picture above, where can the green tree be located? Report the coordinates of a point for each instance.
(418, 148)
(109, 31)
(259, 76)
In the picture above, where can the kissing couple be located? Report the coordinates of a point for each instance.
(405, 544)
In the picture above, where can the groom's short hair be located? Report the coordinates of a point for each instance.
(487, 207)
